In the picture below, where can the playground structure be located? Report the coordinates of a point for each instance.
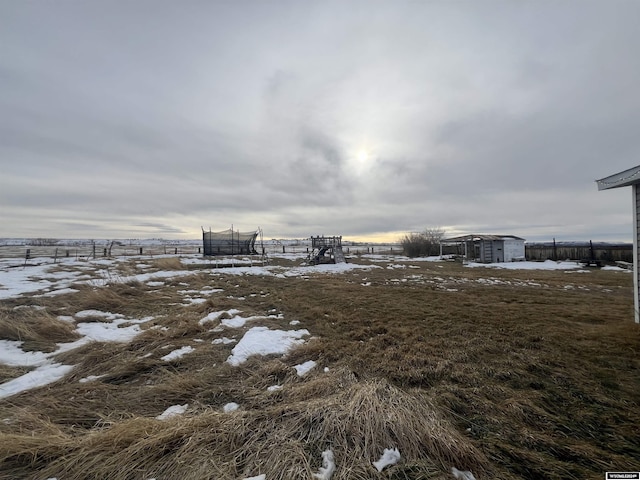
(229, 242)
(326, 250)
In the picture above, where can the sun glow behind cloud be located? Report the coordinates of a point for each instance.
(360, 161)
(363, 155)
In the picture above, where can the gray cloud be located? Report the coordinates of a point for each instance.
(357, 118)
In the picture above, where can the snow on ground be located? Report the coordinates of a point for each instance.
(389, 457)
(47, 371)
(173, 411)
(616, 269)
(328, 466)
(263, 341)
(223, 341)
(40, 277)
(43, 375)
(546, 265)
(43, 276)
(176, 354)
(238, 322)
(230, 407)
(305, 367)
(462, 475)
(17, 280)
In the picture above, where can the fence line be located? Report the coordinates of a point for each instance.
(535, 252)
(101, 251)
(603, 253)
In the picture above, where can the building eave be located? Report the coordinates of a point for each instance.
(475, 238)
(622, 179)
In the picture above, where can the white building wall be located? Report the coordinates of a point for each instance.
(513, 250)
(636, 251)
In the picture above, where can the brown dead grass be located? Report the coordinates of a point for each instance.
(36, 329)
(283, 441)
(168, 263)
(509, 374)
(10, 372)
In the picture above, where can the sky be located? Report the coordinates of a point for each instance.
(367, 119)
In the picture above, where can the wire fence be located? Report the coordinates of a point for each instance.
(94, 251)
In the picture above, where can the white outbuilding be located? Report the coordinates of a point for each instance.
(487, 248)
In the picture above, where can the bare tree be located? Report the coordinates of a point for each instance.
(422, 244)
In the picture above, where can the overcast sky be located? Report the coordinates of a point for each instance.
(367, 119)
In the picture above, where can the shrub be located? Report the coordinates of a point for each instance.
(422, 244)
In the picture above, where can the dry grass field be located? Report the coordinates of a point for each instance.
(508, 374)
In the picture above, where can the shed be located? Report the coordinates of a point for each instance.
(487, 248)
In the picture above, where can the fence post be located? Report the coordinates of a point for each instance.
(28, 254)
(140, 250)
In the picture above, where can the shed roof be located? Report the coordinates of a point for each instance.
(472, 238)
(622, 179)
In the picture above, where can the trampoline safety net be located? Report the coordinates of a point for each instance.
(229, 242)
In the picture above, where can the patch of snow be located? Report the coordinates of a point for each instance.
(305, 367)
(99, 314)
(61, 291)
(12, 355)
(223, 341)
(612, 268)
(173, 411)
(179, 353)
(328, 466)
(215, 315)
(274, 388)
(262, 341)
(462, 475)
(239, 322)
(230, 407)
(389, 457)
(209, 291)
(43, 375)
(546, 265)
(194, 301)
(106, 332)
